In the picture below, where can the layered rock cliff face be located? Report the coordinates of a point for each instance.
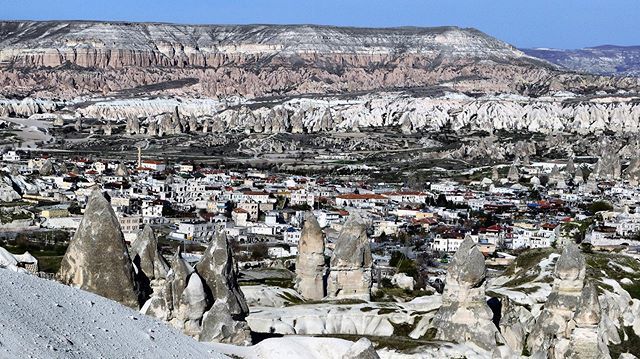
(65, 59)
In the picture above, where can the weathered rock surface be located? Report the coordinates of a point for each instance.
(146, 255)
(219, 60)
(351, 262)
(606, 59)
(556, 331)
(122, 170)
(205, 302)
(97, 259)
(311, 270)
(7, 192)
(225, 321)
(464, 315)
(354, 319)
(46, 169)
(586, 340)
(515, 325)
(362, 349)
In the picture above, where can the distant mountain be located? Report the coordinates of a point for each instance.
(601, 60)
(66, 59)
(70, 58)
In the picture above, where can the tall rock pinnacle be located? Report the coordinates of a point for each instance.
(225, 320)
(568, 324)
(97, 259)
(351, 262)
(464, 315)
(145, 255)
(310, 264)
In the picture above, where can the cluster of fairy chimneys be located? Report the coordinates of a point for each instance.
(608, 167)
(204, 301)
(567, 327)
(277, 120)
(47, 169)
(349, 272)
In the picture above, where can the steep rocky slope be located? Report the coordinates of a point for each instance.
(44, 319)
(64, 59)
(602, 60)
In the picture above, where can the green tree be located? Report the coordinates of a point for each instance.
(598, 206)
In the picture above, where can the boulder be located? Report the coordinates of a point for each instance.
(362, 349)
(97, 259)
(122, 170)
(7, 193)
(403, 281)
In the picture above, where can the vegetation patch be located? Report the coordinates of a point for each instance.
(290, 298)
(383, 311)
(8, 216)
(612, 265)
(527, 260)
(528, 290)
(631, 345)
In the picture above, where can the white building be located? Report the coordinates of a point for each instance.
(301, 197)
(408, 196)
(446, 244)
(152, 209)
(153, 165)
(11, 156)
(292, 235)
(130, 226)
(367, 200)
(196, 230)
(281, 252)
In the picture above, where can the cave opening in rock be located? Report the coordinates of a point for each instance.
(495, 305)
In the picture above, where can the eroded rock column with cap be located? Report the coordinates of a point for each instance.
(464, 315)
(351, 262)
(310, 263)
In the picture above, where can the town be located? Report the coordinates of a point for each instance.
(338, 180)
(504, 208)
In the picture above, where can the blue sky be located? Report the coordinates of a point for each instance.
(523, 23)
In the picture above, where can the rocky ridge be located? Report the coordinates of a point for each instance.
(464, 315)
(206, 301)
(62, 59)
(618, 114)
(603, 60)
